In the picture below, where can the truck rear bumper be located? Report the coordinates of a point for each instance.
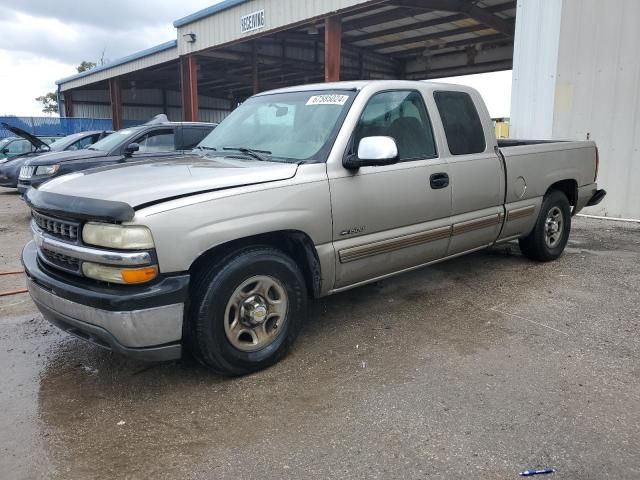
(596, 198)
(147, 331)
(588, 195)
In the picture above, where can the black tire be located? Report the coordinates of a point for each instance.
(211, 290)
(534, 245)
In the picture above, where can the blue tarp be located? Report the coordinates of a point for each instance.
(59, 126)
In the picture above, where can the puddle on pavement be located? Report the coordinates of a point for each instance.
(97, 412)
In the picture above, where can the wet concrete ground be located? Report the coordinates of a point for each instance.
(476, 368)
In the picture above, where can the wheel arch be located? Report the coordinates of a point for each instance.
(294, 243)
(569, 187)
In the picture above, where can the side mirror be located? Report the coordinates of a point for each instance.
(131, 149)
(373, 152)
(4, 151)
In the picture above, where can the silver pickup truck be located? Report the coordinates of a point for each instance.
(300, 193)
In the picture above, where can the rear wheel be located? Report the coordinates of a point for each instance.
(549, 237)
(246, 311)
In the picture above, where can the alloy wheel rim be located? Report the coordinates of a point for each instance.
(256, 313)
(553, 227)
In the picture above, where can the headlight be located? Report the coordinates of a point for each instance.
(119, 275)
(47, 169)
(125, 237)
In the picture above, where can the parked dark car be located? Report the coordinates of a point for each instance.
(158, 138)
(10, 167)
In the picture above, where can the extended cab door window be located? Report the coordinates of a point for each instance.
(402, 116)
(162, 140)
(461, 123)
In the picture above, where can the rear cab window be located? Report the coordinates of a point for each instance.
(461, 122)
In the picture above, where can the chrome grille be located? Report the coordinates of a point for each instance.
(27, 171)
(63, 229)
(63, 262)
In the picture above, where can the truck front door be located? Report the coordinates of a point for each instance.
(394, 217)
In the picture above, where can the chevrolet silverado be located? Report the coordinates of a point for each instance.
(299, 193)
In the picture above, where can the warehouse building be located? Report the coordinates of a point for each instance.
(228, 52)
(225, 53)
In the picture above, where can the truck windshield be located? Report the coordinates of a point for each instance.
(293, 126)
(115, 139)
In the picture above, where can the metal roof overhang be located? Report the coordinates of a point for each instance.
(150, 57)
(415, 39)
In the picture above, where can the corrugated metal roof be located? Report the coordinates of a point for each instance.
(207, 12)
(385, 33)
(129, 58)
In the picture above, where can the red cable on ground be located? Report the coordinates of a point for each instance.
(13, 292)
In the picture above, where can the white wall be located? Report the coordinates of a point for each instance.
(577, 75)
(535, 59)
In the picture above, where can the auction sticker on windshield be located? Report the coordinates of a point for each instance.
(328, 100)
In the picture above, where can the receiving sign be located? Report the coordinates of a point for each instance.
(251, 22)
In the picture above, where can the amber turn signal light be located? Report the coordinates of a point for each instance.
(139, 275)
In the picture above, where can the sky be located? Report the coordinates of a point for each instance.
(44, 40)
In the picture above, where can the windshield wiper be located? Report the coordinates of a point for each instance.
(252, 152)
(202, 147)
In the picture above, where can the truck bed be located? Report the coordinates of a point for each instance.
(540, 163)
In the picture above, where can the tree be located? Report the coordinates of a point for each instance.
(49, 102)
(84, 66)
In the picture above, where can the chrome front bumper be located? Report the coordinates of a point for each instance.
(149, 334)
(143, 321)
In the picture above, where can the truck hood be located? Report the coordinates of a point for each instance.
(52, 158)
(149, 182)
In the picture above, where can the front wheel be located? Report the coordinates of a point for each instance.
(550, 235)
(247, 311)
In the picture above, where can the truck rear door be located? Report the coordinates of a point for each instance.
(475, 170)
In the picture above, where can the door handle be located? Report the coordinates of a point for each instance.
(439, 180)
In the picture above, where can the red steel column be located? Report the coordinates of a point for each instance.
(115, 94)
(189, 82)
(68, 103)
(332, 48)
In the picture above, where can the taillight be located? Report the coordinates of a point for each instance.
(597, 164)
